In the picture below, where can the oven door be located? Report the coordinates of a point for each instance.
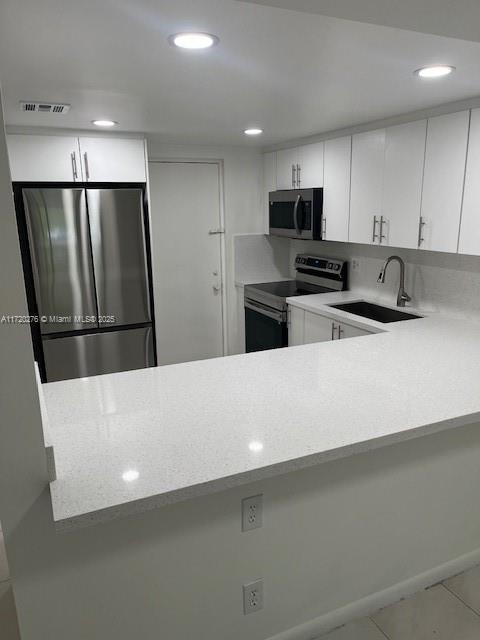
(265, 327)
(290, 214)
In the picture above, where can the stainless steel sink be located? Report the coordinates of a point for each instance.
(374, 311)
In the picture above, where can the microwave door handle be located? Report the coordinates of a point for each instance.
(295, 215)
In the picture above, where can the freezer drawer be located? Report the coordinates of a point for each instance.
(59, 240)
(119, 254)
(98, 353)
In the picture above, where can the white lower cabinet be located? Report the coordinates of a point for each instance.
(305, 327)
(317, 328)
(296, 326)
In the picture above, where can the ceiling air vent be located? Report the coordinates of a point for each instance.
(45, 107)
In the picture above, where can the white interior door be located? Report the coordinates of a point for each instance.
(187, 260)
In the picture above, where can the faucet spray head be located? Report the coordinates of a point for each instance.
(381, 276)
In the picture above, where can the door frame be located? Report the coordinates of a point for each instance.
(221, 207)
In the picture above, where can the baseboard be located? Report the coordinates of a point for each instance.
(313, 628)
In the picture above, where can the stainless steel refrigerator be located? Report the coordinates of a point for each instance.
(87, 274)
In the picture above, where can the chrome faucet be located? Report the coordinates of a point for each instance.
(402, 296)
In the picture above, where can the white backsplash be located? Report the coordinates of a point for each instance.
(442, 282)
(260, 258)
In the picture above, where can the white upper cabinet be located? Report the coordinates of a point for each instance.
(113, 159)
(368, 155)
(269, 181)
(403, 177)
(310, 166)
(336, 194)
(44, 158)
(287, 160)
(469, 241)
(301, 167)
(444, 173)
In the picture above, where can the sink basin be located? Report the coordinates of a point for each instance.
(374, 311)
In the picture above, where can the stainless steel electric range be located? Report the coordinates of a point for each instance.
(266, 324)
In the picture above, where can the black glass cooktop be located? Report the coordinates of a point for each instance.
(289, 288)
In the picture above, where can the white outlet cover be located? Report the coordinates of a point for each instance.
(253, 596)
(252, 512)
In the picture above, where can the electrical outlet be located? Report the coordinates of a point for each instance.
(355, 264)
(252, 512)
(253, 596)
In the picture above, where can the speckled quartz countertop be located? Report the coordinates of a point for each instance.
(133, 441)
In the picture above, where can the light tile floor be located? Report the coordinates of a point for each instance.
(446, 611)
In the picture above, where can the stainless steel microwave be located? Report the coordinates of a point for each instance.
(296, 213)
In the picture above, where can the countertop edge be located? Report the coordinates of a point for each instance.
(229, 482)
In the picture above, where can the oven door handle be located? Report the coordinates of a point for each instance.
(295, 215)
(279, 316)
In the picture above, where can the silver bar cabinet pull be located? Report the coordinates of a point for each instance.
(340, 331)
(381, 236)
(87, 170)
(374, 235)
(294, 180)
(324, 228)
(333, 331)
(74, 165)
(299, 169)
(421, 224)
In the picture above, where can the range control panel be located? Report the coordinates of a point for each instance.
(319, 264)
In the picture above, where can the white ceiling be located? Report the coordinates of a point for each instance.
(292, 73)
(453, 18)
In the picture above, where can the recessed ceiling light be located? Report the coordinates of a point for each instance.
(104, 123)
(253, 132)
(193, 40)
(435, 71)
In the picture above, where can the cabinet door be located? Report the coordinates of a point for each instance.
(470, 226)
(349, 331)
(368, 154)
(296, 326)
(336, 194)
(402, 192)
(444, 173)
(317, 328)
(44, 158)
(287, 160)
(269, 182)
(113, 159)
(310, 161)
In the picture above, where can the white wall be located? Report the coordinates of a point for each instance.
(442, 282)
(243, 194)
(23, 473)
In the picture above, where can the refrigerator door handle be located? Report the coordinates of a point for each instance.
(87, 168)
